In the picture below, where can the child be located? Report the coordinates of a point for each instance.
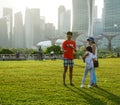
(88, 58)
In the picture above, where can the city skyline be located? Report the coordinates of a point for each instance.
(35, 28)
(46, 6)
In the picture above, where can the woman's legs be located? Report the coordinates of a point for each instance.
(91, 76)
(94, 76)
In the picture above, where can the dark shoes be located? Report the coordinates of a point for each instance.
(94, 85)
(64, 84)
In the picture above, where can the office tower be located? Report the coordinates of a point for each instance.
(8, 13)
(42, 28)
(50, 30)
(83, 16)
(80, 16)
(97, 23)
(111, 18)
(3, 32)
(67, 20)
(19, 38)
(97, 26)
(64, 20)
(32, 27)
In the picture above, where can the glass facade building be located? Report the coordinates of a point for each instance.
(80, 16)
(111, 20)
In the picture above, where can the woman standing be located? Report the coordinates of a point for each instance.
(91, 42)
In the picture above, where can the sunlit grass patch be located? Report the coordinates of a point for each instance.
(40, 83)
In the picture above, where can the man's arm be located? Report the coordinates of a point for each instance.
(75, 46)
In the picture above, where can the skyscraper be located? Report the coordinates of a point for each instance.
(64, 20)
(42, 28)
(3, 32)
(18, 31)
(83, 16)
(111, 18)
(32, 27)
(80, 16)
(8, 13)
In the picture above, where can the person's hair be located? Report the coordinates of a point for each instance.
(69, 33)
(89, 48)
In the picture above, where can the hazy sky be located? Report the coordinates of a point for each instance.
(48, 8)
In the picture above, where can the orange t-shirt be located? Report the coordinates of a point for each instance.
(68, 47)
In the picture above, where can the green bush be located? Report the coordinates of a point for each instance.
(55, 48)
(34, 52)
(106, 54)
(6, 51)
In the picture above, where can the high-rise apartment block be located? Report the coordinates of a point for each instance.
(80, 16)
(64, 20)
(4, 42)
(32, 27)
(8, 13)
(18, 34)
(111, 20)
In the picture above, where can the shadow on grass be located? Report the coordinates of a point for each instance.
(78, 65)
(109, 96)
(89, 98)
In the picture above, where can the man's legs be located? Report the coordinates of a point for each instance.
(71, 63)
(71, 74)
(64, 74)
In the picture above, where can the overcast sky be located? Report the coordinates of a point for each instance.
(48, 8)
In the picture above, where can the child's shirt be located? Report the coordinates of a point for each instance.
(89, 60)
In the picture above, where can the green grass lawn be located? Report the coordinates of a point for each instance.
(40, 83)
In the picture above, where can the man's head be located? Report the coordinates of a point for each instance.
(69, 34)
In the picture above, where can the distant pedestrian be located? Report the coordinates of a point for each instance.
(3, 57)
(68, 47)
(40, 53)
(52, 55)
(17, 55)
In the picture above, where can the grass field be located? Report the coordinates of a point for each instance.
(40, 83)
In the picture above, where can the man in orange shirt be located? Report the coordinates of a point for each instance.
(68, 47)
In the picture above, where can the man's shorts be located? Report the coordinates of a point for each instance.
(69, 62)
